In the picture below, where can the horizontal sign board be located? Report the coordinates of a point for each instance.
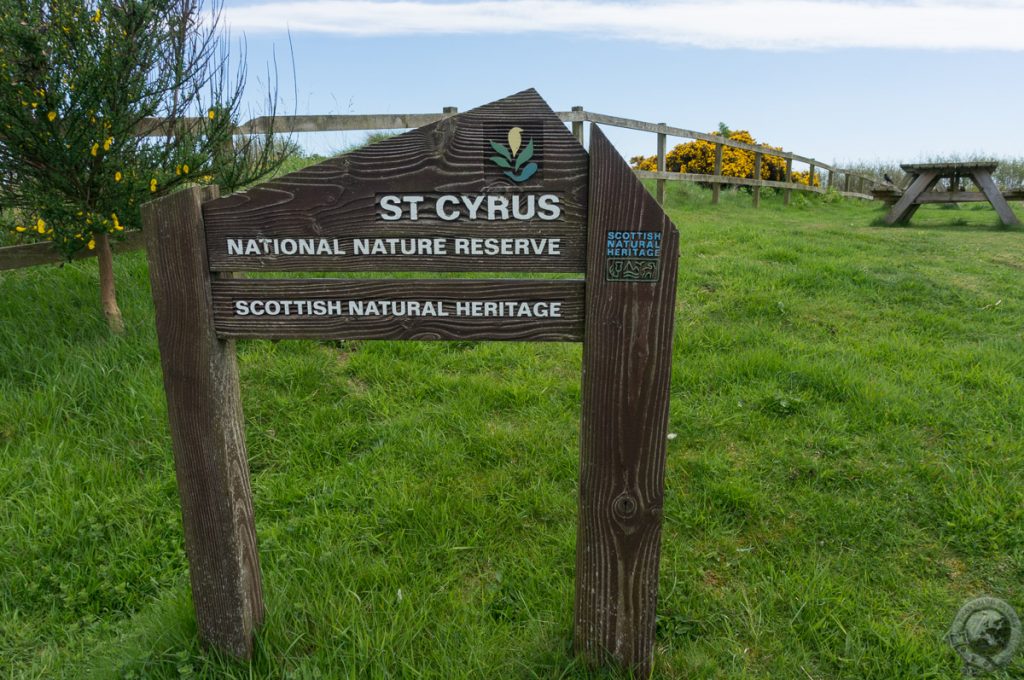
(515, 248)
(397, 309)
(501, 188)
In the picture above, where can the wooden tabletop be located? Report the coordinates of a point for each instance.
(951, 167)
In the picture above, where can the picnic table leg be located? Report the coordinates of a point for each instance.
(983, 178)
(907, 205)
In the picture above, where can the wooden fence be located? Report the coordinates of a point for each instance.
(847, 183)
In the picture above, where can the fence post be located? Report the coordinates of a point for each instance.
(577, 126)
(810, 177)
(716, 188)
(846, 182)
(204, 410)
(789, 179)
(449, 111)
(831, 178)
(757, 177)
(662, 143)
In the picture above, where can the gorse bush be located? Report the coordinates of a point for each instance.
(698, 158)
(105, 104)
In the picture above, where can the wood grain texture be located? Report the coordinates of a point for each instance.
(33, 254)
(627, 361)
(566, 328)
(338, 197)
(205, 415)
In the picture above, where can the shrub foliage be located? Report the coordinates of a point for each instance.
(698, 158)
(105, 104)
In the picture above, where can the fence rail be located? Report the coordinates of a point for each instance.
(853, 184)
(33, 254)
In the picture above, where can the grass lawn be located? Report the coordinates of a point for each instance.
(847, 471)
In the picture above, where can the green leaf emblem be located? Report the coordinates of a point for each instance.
(518, 167)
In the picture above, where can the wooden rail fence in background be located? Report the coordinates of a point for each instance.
(845, 182)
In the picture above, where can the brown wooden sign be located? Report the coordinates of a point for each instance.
(502, 188)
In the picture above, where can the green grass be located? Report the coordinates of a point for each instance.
(848, 401)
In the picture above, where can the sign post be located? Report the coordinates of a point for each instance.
(501, 188)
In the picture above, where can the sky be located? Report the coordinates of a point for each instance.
(841, 81)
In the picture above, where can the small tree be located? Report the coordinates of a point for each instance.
(105, 104)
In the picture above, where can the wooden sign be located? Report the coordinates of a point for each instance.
(501, 188)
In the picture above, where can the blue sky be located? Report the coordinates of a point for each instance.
(838, 80)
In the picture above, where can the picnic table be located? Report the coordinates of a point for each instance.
(924, 177)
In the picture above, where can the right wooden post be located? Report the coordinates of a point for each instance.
(627, 368)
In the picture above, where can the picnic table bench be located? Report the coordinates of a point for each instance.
(924, 177)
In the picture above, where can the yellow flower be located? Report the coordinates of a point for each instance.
(20, 229)
(52, 116)
(152, 185)
(184, 168)
(117, 224)
(117, 176)
(92, 244)
(107, 143)
(96, 16)
(211, 114)
(177, 169)
(41, 226)
(95, 148)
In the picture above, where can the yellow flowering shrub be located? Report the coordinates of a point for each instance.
(649, 163)
(72, 94)
(698, 158)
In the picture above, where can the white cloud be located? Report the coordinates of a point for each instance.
(748, 24)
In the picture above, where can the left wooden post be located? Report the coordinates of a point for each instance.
(205, 414)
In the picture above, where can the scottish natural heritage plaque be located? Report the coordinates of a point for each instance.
(502, 188)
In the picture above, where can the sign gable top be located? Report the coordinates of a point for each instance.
(513, 144)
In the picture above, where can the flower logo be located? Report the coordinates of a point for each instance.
(518, 167)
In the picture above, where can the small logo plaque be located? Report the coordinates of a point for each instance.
(633, 256)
